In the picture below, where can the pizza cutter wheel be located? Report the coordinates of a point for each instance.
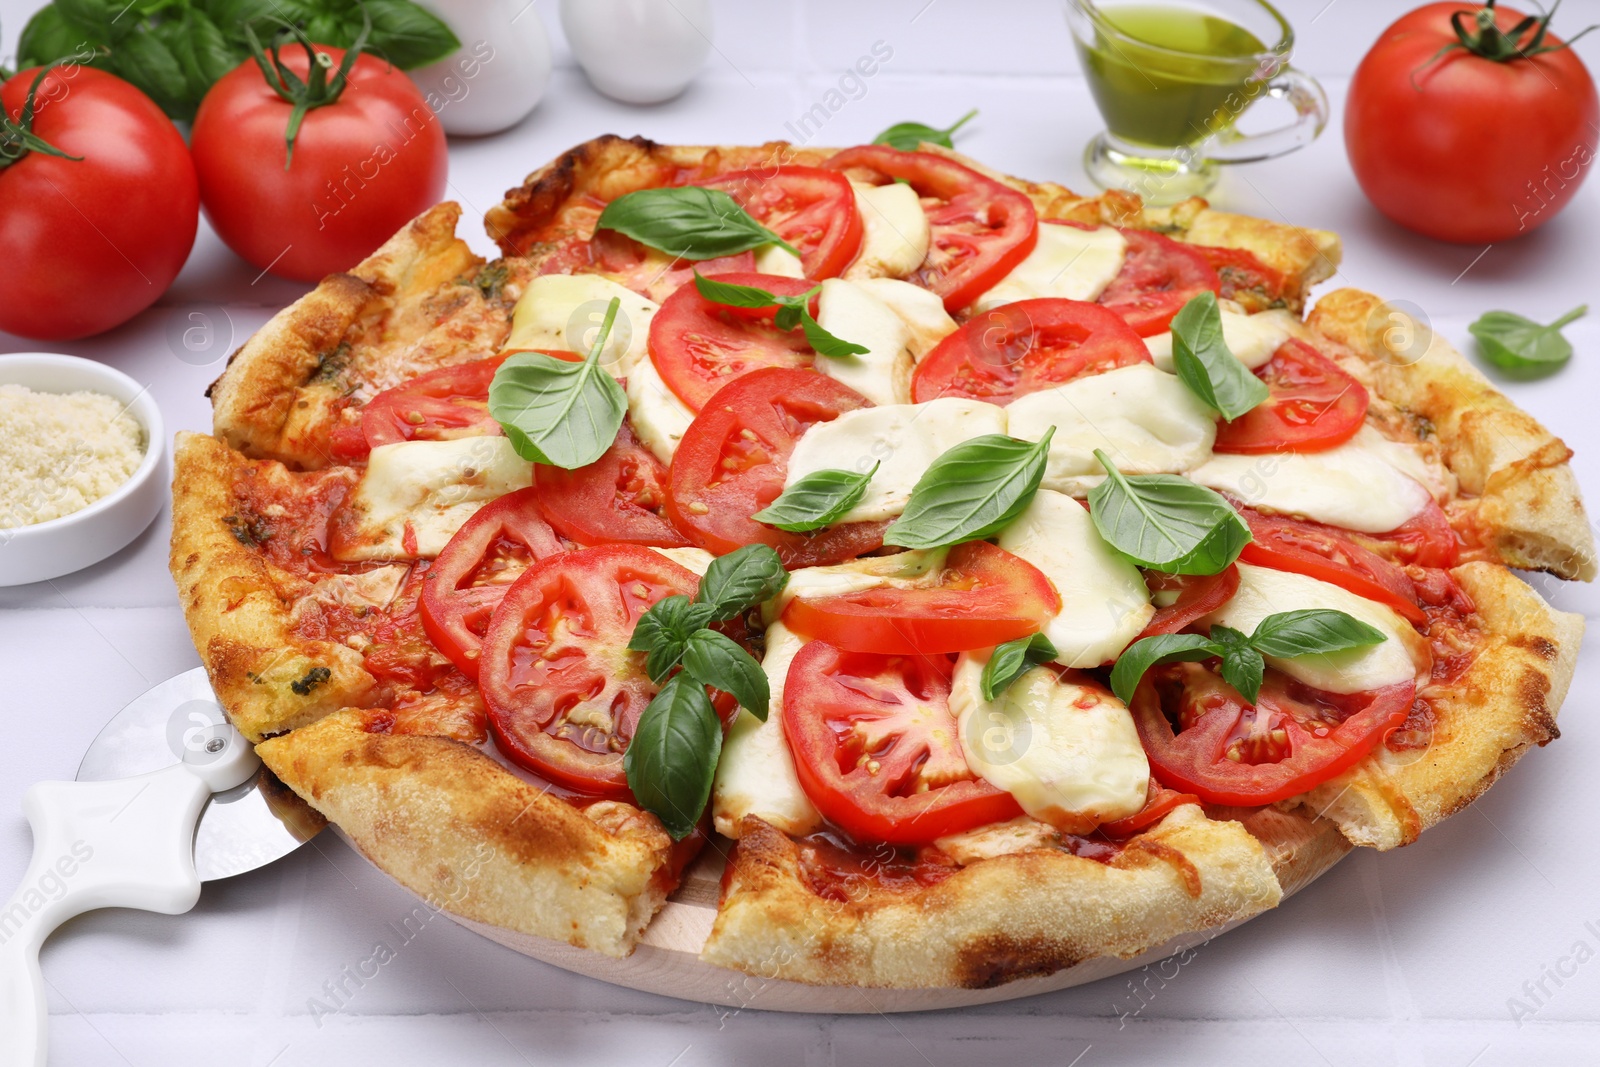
(168, 796)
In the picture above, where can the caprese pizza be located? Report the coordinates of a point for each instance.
(990, 572)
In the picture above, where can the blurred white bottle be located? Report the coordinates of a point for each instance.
(639, 51)
(500, 72)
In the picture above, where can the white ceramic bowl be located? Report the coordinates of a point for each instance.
(73, 542)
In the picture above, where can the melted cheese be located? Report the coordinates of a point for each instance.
(895, 231)
(659, 418)
(1067, 262)
(901, 570)
(432, 487)
(1104, 601)
(1068, 753)
(775, 259)
(904, 439)
(882, 374)
(563, 311)
(694, 559)
(998, 839)
(1368, 484)
(756, 773)
(1147, 421)
(1251, 338)
(1404, 656)
(920, 309)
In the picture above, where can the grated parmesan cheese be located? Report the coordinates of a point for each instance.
(60, 452)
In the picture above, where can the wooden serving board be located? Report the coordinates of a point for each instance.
(667, 960)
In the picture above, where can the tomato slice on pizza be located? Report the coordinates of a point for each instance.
(699, 346)
(620, 498)
(1158, 276)
(876, 747)
(1326, 553)
(980, 228)
(1001, 354)
(983, 596)
(811, 208)
(1312, 406)
(435, 406)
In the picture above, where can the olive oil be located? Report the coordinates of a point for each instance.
(1157, 79)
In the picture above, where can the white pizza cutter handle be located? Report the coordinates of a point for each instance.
(127, 843)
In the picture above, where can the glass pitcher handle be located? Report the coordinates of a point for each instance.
(1310, 104)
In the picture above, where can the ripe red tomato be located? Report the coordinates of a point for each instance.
(1158, 276)
(363, 166)
(811, 208)
(698, 345)
(985, 596)
(1312, 406)
(619, 498)
(1328, 554)
(434, 406)
(877, 749)
(1463, 147)
(90, 243)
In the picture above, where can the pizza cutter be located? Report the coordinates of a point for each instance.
(168, 796)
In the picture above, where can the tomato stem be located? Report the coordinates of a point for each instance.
(1487, 40)
(318, 89)
(17, 138)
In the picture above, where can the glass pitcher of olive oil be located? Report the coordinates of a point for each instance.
(1172, 77)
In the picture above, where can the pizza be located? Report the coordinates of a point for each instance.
(998, 578)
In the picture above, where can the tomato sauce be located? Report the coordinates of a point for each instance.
(836, 868)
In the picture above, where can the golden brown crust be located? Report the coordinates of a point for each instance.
(239, 607)
(1030, 913)
(409, 307)
(1528, 509)
(1483, 722)
(464, 833)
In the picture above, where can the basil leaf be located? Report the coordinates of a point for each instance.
(560, 413)
(1243, 668)
(1166, 522)
(94, 20)
(1153, 651)
(49, 36)
(1312, 631)
(825, 343)
(734, 296)
(687, 221)
(1012, 660)
(1207, 365)
(1228, 637)
(721, 662)
(673, 755)
(908, 136)
(203, 51)
(663, 631)
(403, 33)
(1515, 343)
(737, 582)
(819, 499)
(971, 491)
(144, 60)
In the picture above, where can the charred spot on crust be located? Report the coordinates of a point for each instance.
(314, 677)
(249, 530)
(1000, 958)
(1537, 644)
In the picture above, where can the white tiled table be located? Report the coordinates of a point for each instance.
(1408, 958)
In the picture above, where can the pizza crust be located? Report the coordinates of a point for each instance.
(1505, 703)
(468, 836)
(1528, 507)
(239, 606)
(1031, 913)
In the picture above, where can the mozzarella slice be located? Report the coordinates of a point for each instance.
(997, 839)
(901, 570)
(659, 418)
(694, 559)
(756, 773)
(1146, 420)
(895, 232)
(1104, 601)
(565, 310)
(1367, 484)
(882, 374)
(904, 439)
(430, 487)
(1251, 338)
(775, 259)
(1403, 657)
(1068, 753)
(920, 309)
(1066, 262)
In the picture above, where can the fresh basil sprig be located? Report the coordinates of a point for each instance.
(688, 221)
(672, 758)
(816, 500)
(673, 755)
(908, 136)
(1515, 343)
(1166, 522)
(1308, 632)
(971, 491)
(560, 413)
(1206, 364)
(174, 50)
(792, 311)
(1012, 660)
